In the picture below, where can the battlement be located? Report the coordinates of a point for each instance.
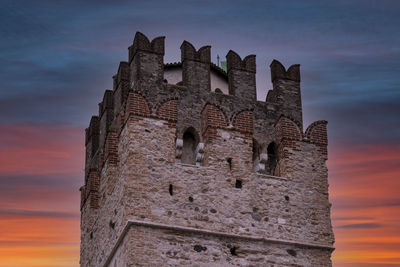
(195, 93)
(234, 61)
(146, 60)
(188, 144)
(196, 66)
(278, 72)
(286, 90)
(189, 53)
(142, 44)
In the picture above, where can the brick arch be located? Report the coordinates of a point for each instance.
(286, 128)
(168, 110)
(137, 105)
(243, 121)
(296, 122)
(317, 132)
(213, 116)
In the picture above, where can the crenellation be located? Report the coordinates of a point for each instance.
(91, 143)
(106, 115)
(241, 76)
(121, 86)
(278, 72)
(286, 90)
(107, 102)
(188, 52)
(92, 130)
(142, 43)
(196, 66)
(180, 174)
(146, 61)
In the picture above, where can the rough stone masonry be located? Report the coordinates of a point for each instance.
(184, 167)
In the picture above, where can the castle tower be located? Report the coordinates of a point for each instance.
(184, 167)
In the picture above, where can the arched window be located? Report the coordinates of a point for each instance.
(190, 141)
(272, 158)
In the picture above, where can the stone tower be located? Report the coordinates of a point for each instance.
(184, 167)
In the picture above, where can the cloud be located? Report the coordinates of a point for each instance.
(16, 214)
(361, 201)
(364, 177)
(41, 149)
(41, 165)
(360, 226)
(14, 182)
(351, 218)
(26, 185)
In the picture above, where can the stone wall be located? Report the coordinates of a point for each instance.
(141, 206)
(207, 197)
(157, 245)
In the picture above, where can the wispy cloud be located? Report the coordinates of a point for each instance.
(360, 226)
(352, 218)
(41, 149)
(15, 214)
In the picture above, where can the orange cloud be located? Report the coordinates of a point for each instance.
(365, 192)
(39, 241)
(41, 149)
(41, 168)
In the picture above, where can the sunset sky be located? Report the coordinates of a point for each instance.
(58, 57)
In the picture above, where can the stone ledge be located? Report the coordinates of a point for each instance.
(190, 165)
(267, 176)
(207, 232)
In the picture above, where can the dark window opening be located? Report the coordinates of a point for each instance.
(229, 160)
(233, 251)
(238, 184)
(190, 142)
(171, 189)
(272, 158)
